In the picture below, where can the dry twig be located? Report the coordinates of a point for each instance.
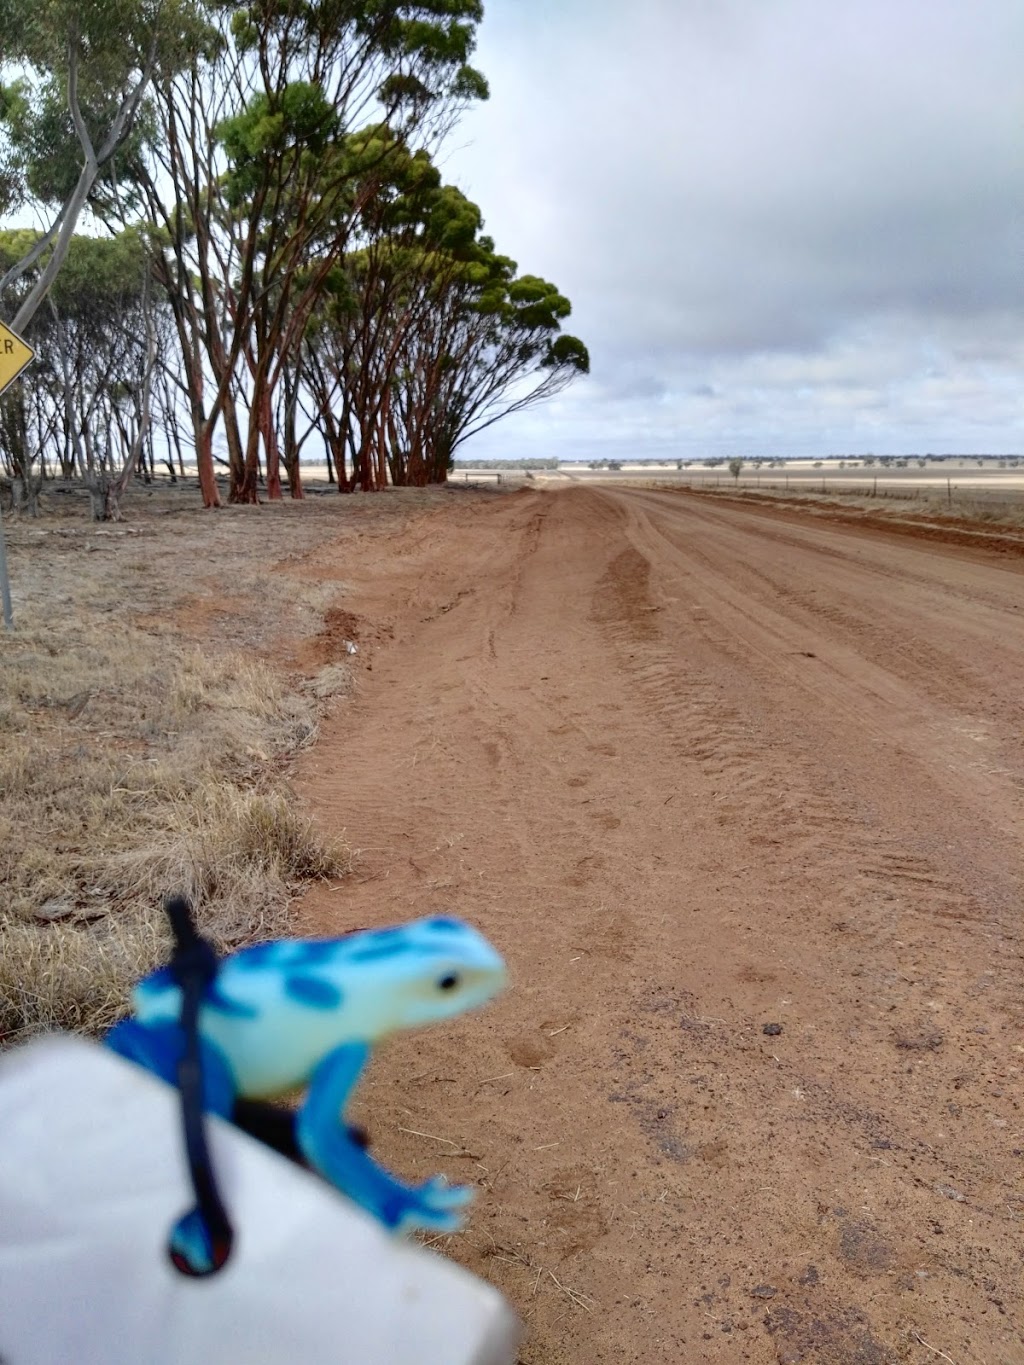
(934, 1349)
(580, 1300)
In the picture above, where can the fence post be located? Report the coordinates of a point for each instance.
(949, 491)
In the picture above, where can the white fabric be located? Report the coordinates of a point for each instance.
(92, 1176)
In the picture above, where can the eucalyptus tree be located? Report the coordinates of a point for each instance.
(427, 335)
(374, 298)
(74, 80)
(28, 417)
(87, 403)
(491, 345)
(252, 177)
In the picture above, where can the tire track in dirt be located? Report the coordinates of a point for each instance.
(784, 804)
(591, 735)
(891, 890)
(858, 683)
(792, 815)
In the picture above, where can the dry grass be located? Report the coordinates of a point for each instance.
(134, 762)
(131, 765)
(1000, 511)
(333, 680)
(997, 509)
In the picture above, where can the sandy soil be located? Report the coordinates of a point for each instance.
(739, 795)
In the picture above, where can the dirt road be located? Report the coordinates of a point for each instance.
(740, 797)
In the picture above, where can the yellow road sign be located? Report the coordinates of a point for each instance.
(15, 354)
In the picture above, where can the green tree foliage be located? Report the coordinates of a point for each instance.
(297, 268)
(256, 175)
(492, 346)
(430, 335)
(73, 84)
(86, 398)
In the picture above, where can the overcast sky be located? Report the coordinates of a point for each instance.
(786, 226)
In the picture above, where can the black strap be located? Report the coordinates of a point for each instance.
(194, 967)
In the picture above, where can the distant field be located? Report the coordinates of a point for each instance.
(962, 473)
(956, 481)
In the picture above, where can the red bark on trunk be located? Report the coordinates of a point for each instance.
(266, 425)
(204, 463)
(295, 489)
(246, 489)
(236, 456)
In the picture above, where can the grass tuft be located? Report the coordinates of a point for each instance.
(333, 680)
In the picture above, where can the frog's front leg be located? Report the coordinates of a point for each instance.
(329, 1148)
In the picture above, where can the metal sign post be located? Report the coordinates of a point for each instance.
(5, 582)
(15, 354)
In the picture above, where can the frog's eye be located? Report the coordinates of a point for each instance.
(448, 982)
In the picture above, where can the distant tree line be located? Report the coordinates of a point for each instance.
(280, 267)
(533, 462)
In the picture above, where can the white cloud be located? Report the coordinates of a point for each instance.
(815, 210)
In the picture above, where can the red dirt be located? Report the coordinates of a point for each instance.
(739, 796)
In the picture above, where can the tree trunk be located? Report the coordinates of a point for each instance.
(294, 472)
(415, 456)
(337, 448)
(291, 447)
(204, 464)
(97, 500)
(25, 493)
(236, 455)
(25, 484)
(67, 455)
(345, 482)
(247, 489)
(269, 434)
(291, 443)
(381, 471)
(203, 435)
(441, 455)
(104, 499)
(362, 462)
